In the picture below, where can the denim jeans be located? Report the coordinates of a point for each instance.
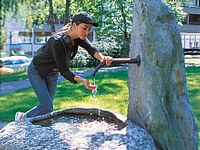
(45, 90)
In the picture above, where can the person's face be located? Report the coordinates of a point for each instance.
(82, 30)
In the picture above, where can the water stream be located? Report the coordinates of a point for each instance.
(94, 92)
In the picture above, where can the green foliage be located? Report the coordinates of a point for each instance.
(2, 37)
(81, 59)
(110, 46)
(59, 8)
(94, 8)
(37, 14)
(117, 18)
(177, 8)
(113, 46)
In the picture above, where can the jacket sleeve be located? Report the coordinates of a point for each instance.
(61, 57)
(87, 45)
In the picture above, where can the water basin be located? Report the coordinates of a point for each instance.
(74, 119)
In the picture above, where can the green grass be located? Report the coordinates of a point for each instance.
(193, 79)
(13, 77)
(20, 76)
(112, 95)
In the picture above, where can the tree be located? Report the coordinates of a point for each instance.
(67, 12)
(117, 18)
(177, 8)
(5, 7)
(51, 16)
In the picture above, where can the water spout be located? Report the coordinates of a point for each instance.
(118, 61)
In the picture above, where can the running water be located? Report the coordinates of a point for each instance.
(94, 92)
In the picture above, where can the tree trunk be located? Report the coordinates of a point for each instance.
(158, 95)
(67, 12)
(51, 16)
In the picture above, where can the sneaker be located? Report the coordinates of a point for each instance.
(19, 116)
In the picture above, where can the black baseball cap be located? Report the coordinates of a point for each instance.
(83, 17)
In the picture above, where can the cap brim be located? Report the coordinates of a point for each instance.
(95, 24)
(90, 22)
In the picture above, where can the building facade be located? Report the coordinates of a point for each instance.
(190, 31)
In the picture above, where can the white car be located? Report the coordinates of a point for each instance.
(17, 63)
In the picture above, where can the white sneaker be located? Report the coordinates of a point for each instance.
(19, 116)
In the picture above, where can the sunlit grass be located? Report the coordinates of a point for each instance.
(20, 76)
(112, 94)
(13, 77)
(111, 90)
(193, 79)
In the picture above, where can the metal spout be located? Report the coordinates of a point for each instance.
(118, 61)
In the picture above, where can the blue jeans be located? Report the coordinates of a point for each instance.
(45, 90)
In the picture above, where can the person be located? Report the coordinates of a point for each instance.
(54, 56)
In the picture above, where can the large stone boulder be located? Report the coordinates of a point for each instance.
(75, 128)
(158, 95)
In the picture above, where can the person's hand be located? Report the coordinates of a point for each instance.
(108, 60)
(88, 85)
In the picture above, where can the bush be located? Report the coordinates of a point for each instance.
(109, 46)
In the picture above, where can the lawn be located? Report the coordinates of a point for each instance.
(13, 77)
(20, 76)
(112, 94)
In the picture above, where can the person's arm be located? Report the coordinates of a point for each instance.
(101, 58)
(86, 83)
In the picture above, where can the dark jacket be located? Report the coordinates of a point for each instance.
(57, 53)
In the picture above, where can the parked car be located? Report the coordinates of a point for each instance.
(4, 70)
(17, 63)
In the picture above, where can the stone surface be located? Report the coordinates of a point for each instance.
(158, 95)
(112, 132)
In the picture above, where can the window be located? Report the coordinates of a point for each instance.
(25, 39)
(191, 2)
(42, 37)
(190, 40)
(194, 19)
(7, 62)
